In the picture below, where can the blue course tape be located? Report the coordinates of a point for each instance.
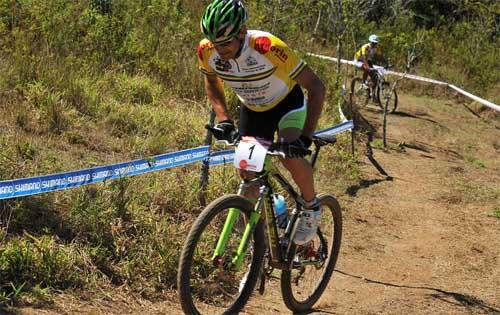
(347, 125)
(221, 157)
(42, 184)
(227, 156)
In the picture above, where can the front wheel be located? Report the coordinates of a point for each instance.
(314, 262)
(384, 95)
(212, 284)
(360, 95)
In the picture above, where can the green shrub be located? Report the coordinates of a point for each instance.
(135, 90)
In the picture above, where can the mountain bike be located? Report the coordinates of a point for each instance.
(234, 242)
(361, 93)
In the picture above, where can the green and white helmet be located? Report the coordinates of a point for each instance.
(374, 39)
(223, 20)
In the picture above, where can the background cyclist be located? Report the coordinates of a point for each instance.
(267, 76)
(368, 55)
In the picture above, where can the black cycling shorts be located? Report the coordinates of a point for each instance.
(265, 124)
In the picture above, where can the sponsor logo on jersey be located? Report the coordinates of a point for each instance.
(246, 85)
(204, 44)
(262, 44)
(280, 53)
(251, 61)
(222, 65)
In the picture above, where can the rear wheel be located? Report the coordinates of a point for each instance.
(384, 94)
(313, 263)
(209, 285)
(359, 95)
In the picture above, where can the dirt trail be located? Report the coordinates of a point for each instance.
(420, 244)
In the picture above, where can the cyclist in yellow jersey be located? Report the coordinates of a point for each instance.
(267, 76)
(367, 55)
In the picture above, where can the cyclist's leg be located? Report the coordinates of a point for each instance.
(365, 75)
(372, 74)
(255, 124)
(290, 128)
(288, 118)
(360, 64)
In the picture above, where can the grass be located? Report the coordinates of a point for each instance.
(477, 163)
(29, 261)
(76, 93)
(495, 213)
(467, 191)
(379, 144)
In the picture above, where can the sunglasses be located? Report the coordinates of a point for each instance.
(224, 43)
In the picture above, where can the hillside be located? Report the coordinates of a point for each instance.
(88, 83)
(425, 243)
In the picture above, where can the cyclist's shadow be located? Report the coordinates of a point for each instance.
(463, 300)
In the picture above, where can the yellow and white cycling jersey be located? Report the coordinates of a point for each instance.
(368, 52)
(261, 76)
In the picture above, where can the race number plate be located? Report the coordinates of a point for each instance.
(251, 154)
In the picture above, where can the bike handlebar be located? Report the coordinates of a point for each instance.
(276, 148)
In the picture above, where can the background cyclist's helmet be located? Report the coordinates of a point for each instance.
(373, 39)
(223, 20)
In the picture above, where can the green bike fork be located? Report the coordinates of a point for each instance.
(240, 253)
(226, 231)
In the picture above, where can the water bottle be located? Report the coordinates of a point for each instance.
(280, 211)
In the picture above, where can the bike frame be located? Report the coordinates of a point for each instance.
(264, 208)
(380, 79)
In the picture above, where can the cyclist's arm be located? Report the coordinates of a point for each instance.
(216, 96)
(362, 55)
(366, 64)
(315, 98)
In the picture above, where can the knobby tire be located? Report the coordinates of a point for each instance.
(295, 303)
(203, 222)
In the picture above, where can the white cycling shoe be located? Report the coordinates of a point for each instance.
(307, 224)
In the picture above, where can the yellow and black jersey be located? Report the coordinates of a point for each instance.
(261, 76)
(368, 52)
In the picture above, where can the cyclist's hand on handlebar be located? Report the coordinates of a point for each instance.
(295, 149)
(225, 131)
(306, 141)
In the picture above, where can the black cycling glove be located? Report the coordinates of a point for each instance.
(295, 149)
(306, 141)
(225, 130)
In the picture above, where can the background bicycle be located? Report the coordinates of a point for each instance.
(232, 243)
(361, 93)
